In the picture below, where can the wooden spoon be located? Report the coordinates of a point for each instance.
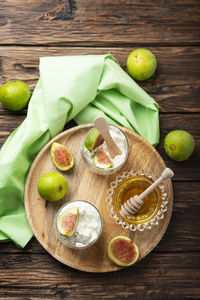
(131, 206)
(113, 149)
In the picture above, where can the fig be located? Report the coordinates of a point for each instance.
(179, 145)
(67, 221)
(93, 140)
(62, 157)
(15, 95)
(101, 160)
(52, 186)
(123, 251)
(141, 64)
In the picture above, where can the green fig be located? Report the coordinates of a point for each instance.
(67, 221)
(141, 64)
(93, 140)
(123, 251)
(15, 95)
(62, 157)
(52, 186)
(101, 160)
(179, 145)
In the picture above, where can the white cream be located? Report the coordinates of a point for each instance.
(89, 224)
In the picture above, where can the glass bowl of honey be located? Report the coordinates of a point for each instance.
(132, 183)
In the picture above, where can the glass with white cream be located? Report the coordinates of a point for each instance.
(89, 226)
(113, 164)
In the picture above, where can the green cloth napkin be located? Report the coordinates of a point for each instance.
(79, 87)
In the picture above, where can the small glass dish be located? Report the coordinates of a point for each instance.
(89, 227)
(133, 183)
(118, 161)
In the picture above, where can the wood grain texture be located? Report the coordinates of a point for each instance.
(92, 188)
(172, 270)
(83, 22)
(175, 86)
(163, 276)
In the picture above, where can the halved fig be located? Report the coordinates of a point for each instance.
(123, 251)
(67, 221)
(93, 140)
(101, 160)
(62, 157)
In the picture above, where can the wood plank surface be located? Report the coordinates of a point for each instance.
(31, 29)
(175, 86)
(83, 22)
(45, 278)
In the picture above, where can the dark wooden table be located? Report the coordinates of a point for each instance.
(171, 29)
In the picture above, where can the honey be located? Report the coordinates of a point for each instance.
(135, 185)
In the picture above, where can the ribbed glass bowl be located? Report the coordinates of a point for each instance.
(151, 220)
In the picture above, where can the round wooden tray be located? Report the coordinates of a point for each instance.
(84, 185)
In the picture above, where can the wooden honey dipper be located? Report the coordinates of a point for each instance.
(132, 205)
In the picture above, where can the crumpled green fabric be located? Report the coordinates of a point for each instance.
(79, 87)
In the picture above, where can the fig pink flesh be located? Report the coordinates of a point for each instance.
(103, 158)
(62, 157)
(69, 222)
(123, 250)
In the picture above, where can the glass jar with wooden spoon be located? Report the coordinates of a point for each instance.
(133, 213)
(105, 148)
